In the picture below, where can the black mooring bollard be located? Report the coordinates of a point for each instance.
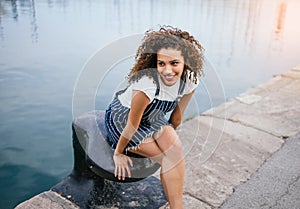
(92, 182)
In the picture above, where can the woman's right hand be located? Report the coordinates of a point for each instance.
(121, 165)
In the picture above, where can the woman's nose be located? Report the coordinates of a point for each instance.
(168, 69)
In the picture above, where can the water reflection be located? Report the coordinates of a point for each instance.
(280, 20)
(14, 9)
(281, 17)
(240, 17)
(25, 7)
(33, 23)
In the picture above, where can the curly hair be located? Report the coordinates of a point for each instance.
(167, 37)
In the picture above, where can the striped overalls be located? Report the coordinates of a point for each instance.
(153, 119)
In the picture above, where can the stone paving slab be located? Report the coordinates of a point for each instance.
(262, 141)
(293, 74)
(275, 107)
(193, 203)
(240, 152)
(276, 185)
(190, 202)
(47, 199)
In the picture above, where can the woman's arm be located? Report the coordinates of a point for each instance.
(177, 114)
(139, 103)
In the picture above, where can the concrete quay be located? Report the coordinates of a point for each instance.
(232, 141)
(226, 145)
(276, 185)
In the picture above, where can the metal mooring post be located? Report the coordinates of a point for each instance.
(92, 183)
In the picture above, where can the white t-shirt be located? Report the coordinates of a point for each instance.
(146, 85)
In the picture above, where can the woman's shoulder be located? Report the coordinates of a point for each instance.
(146, 85)
(190, 84)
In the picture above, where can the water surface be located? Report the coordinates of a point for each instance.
(45, 44)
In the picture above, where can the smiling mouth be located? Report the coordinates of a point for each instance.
(169, 77)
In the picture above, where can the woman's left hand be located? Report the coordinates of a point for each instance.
(121, 165)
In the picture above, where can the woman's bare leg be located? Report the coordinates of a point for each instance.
(167, 151)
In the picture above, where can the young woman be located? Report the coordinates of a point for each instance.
(162, 82)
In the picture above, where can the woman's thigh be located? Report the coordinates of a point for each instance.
(164, 141)
(149, 148)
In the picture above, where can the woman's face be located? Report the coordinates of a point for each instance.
(170, 65)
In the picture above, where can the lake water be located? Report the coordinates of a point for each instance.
(45, 44)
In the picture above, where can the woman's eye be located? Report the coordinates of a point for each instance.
(161, 64)
(175, 63)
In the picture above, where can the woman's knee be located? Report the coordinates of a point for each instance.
(169, 140)
(168, 132)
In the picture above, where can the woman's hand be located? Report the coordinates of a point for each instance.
(121, 165)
